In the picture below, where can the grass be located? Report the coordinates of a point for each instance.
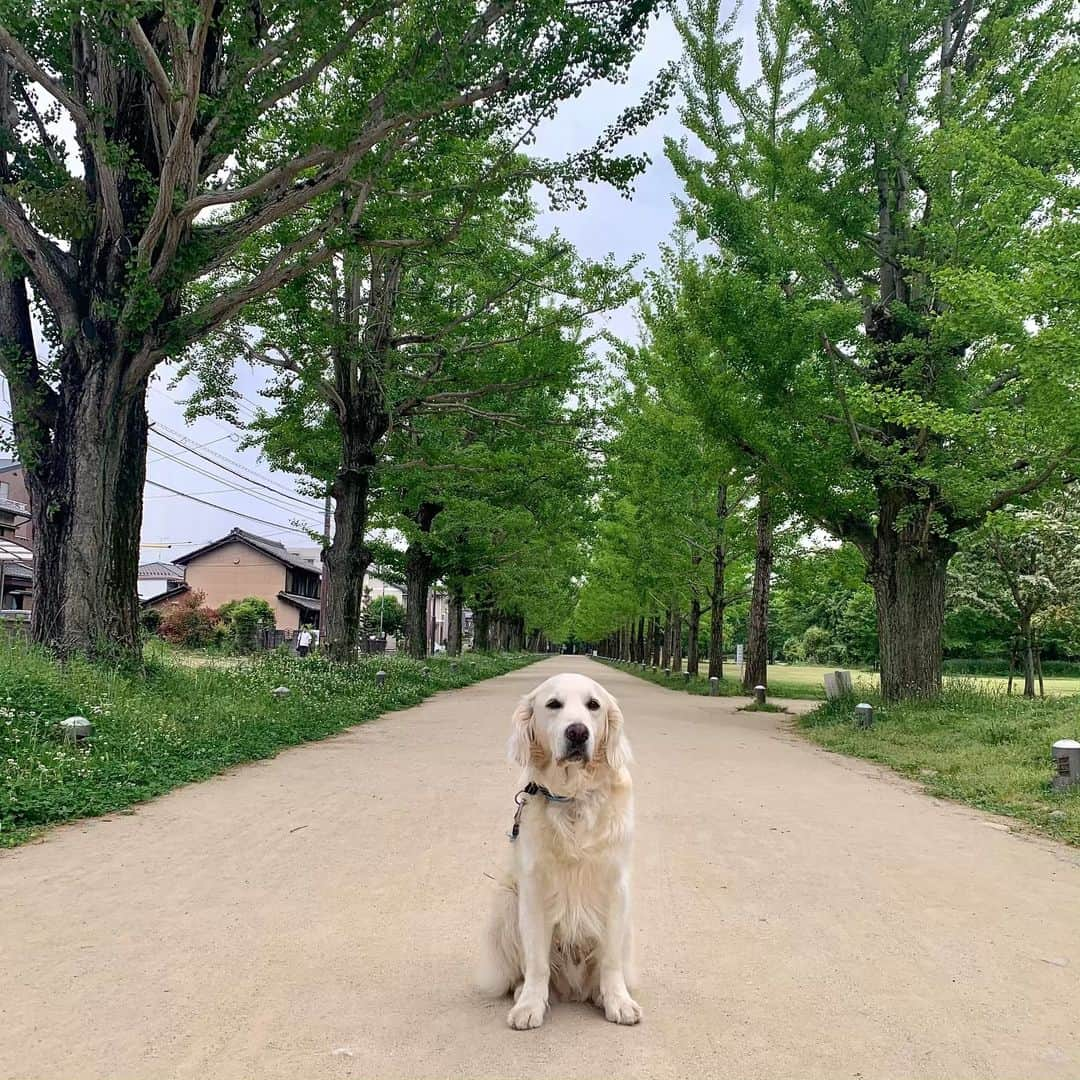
(1056, 686)
(973, 745)
(166, 724)
(781, 687)
(806, 681)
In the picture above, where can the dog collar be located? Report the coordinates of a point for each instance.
(521, 798)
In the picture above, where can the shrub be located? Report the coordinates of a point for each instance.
(241, 621)
(817, 645)
(187, 622)
(150, 620)
(388, 611)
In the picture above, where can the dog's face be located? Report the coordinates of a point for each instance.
(569, 719)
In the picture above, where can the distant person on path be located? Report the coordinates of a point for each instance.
(303, 641)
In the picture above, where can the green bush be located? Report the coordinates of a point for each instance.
(241, 621)
(387, 612)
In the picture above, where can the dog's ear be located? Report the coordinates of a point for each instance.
(616, 745)
(522, 735)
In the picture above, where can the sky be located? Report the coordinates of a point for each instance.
(610, 223)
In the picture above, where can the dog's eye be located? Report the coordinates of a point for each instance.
(554, 704)
(592, 704)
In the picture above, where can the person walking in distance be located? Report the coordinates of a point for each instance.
(303, 641)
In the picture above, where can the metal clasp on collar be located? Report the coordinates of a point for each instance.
(522, 797)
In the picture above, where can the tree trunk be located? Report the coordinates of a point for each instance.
(347, 558)
(676, 640)
(718, 598)
(654, 642)
(665, 648)
(419, 574)
(693, 629)
(1029, 658)
(482, 628)
(86, 493)
(640, 655)
(453, 630)
(908, 576)
(756, 666)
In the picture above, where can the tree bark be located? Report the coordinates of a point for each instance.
(1029, 657)
(453, 631)
(693, 629)
(756, 666)
(676, 640)
(907, 571)
(86, 491)
(419, 574)
(348, 557)
(482, 627)
(717, 598)
(665, 648)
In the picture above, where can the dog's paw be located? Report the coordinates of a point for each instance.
(527, 1013)
(622, 1009)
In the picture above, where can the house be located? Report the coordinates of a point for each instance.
(14, 503)
(242, 564)
(16, 577)
(158, 577)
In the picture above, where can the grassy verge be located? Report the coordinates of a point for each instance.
(167, 724)
(974, 746)
(729, 687)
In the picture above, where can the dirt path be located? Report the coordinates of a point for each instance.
(800, 916)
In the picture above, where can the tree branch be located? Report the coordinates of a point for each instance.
(23, 62)
(50, 267)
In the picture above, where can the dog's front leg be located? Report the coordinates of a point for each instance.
(535, 928)
(619, 1006)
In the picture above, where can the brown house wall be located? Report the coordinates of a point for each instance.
(234, 571)
(19, 492)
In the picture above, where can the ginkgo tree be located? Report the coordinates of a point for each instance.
(883, 310)
(146, 145)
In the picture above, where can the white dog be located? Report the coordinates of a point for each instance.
(562, 917)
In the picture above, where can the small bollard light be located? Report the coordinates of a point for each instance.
(1066, 764)
(76, 729)
(425, 671)
(667, 673)
(686, 677)
(280, 691)
(759, 695)
(714, 685)
(864, 715)
(380, 678)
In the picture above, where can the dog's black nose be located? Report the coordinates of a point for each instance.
(576, 734)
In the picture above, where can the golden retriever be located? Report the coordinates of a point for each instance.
(562, 916)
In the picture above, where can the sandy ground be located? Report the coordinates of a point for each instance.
(799, 915)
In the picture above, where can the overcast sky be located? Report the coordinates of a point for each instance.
(173, 524)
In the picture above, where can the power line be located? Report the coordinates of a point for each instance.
(250, 517)
(158, 429)
(277, 504)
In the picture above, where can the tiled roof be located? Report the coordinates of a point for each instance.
(304, 603)
(161, 571)
(272, 548)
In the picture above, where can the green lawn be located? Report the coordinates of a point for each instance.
(167, 723)
(812, 674)
(974, 745)
(806, 681)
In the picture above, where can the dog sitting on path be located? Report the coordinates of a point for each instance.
(562, 916)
